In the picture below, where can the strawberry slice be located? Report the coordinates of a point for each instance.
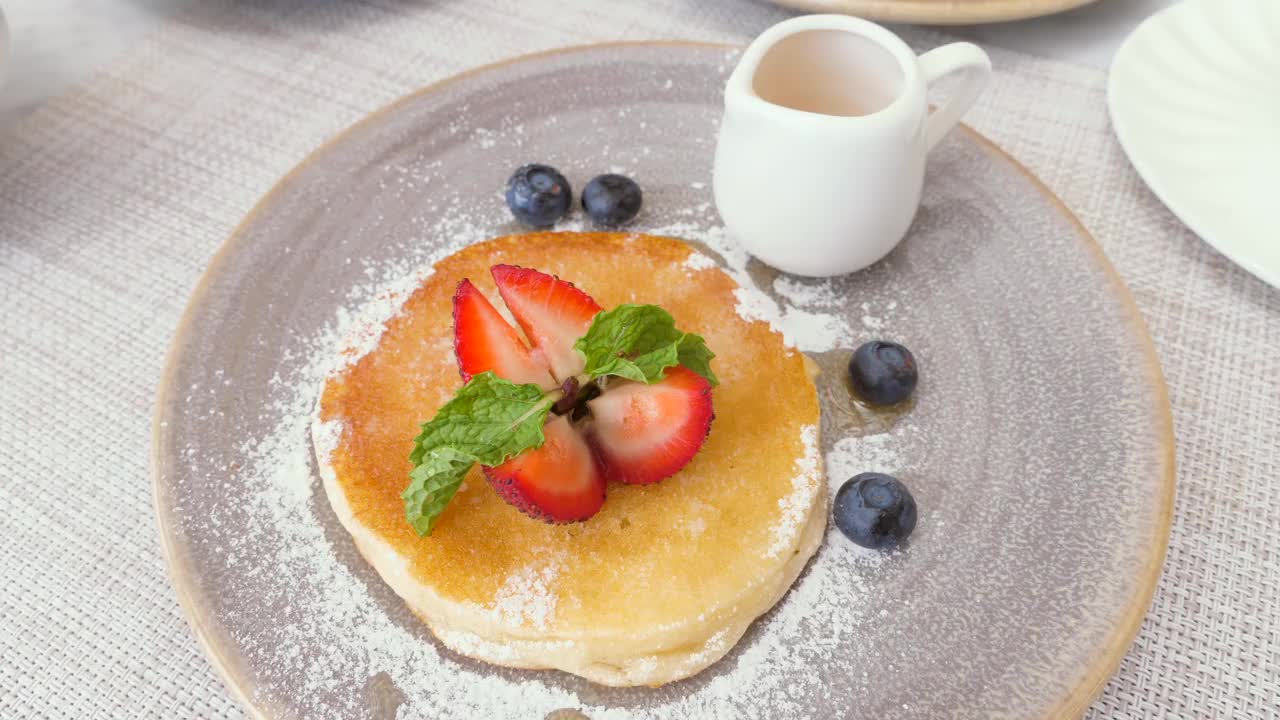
(558, 482)
(553, 314)
(644, 433)
(483, 340)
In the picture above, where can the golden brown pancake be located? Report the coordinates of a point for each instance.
(666, 577)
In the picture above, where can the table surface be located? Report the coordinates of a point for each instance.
(58, 43)
(112, 203)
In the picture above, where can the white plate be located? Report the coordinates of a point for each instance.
(1194, 96)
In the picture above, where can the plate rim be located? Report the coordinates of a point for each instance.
(1125, 135)
(229, 665)
(939, 13)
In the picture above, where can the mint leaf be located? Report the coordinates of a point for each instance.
(639, 342)
(433, 483)
(488, 421)
(695, 355)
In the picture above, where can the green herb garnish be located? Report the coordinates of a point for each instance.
(491, 420)
(639, 342)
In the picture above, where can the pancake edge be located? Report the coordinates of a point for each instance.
(487, 641)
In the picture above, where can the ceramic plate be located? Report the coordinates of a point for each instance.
(1038, 445)
(1194, 95)
(938, 12)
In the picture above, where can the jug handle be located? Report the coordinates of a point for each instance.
(957, 57)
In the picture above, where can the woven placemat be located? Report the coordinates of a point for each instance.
(113, 199)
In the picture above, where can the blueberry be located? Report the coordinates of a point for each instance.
(611, 199)
(875, 510)
(538, 195)
(883, 373)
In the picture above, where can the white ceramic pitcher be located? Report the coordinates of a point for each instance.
(821, 154)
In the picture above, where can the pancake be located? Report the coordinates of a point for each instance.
(665, 579)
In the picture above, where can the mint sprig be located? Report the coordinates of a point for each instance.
(639, 342)
(489, 421)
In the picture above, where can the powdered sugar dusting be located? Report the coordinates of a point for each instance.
(805, 292)
(325, 436)
(526, 597)
(882, 452)
(806, 326)
(801, 329)
(796, 504)
(699, 261)
(850, 456)
(779, 668)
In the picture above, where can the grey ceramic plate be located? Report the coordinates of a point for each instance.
(1039, 444)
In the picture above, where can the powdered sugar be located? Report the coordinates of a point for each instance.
(803, 292)
(885, 452)
(804, 325)
(796, 504)
(853, 455)
(801, 329)
(526, 598)
(874, 322)
(699, 261)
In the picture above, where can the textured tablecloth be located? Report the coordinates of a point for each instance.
(113, 199)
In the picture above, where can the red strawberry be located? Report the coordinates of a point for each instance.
(644, 433)
(552, 313)
(483, 340)
(558, 482)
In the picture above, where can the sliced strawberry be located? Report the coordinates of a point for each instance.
(644, 433)
(558, 482)
(483, 340)
(552, 313)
